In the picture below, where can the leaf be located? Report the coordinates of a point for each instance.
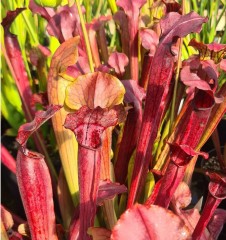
(178, 25)
(217, 192)
(108, 207)
(134, 96)
(173, 7)
(108, 190)
(66, 55)
(159, 92)
(89, 164)
(16, 62)
(46, 13)
(223, 64)
(118, 61)
(97, 39)
(65, 201)
(132, 10)
(89, 124)
(198, 74)
(36, 192)
(41, 117)
(8, 160)
(93, 90)
(18, 70)
(121, 19)
(215, 117)
(187, 150)
(6, 219)
(149, 40)
(182, 196)
(217, 185)
(153, 223)
(217, 222)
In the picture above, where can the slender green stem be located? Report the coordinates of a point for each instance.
(195, 5)
(172, 114)
(113, 6)
(88, 7)
(100, 3)
(87, 43)
(30, 29)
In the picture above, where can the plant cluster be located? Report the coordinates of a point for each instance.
(133, 91)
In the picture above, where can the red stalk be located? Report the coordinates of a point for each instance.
(102, 43)
(128, 143)
(132, 10)
(98, 39)
(121, 19)
(89, 170)
(134, 95)
(145, 70)
(158, 93)
(217, 192)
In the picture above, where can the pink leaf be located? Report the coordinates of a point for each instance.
(131, 8)
(182, 196)
(149, 40)
(8, 160)
(108, 190)
(217, 222)
(191, 22)
(27, 129)
(40, 98)
(223, 64)
(45, 12)
(118, 61)
(80, 68)
(153, 223)
(198, 74)
(134, 93)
